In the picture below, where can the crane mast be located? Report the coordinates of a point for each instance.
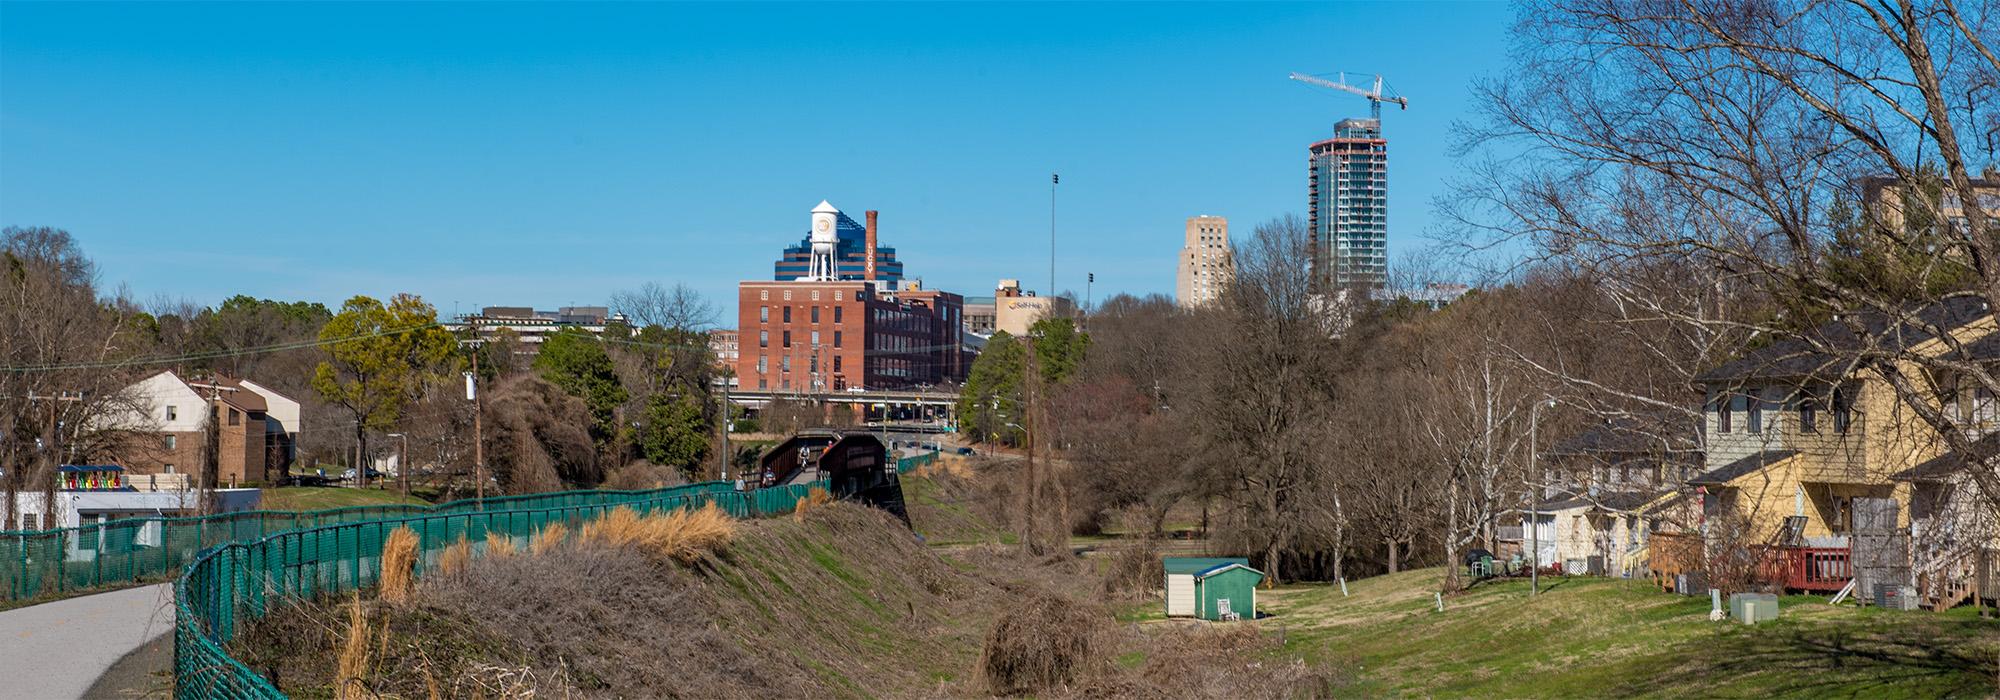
(1375, 96)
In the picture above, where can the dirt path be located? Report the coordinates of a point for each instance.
(59, 649)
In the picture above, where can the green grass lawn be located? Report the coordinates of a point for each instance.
(319, 498)
(1591, 638)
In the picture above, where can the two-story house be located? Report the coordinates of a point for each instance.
(1797, 434)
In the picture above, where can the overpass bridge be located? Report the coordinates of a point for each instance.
(758, 398)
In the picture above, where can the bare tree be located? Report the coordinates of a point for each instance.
(679, 308)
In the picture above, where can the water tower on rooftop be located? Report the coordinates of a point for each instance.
(824, 239)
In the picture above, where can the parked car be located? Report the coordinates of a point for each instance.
(306, 480)
(348, 475)
(967, 451)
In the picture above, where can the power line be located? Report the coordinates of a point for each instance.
(281, 347)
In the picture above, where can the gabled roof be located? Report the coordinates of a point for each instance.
(1795, 359)
(1211, 571)
(1623, 501)
(1196, 565)
(1943, 466)
(1631, 435)
(1747, 465)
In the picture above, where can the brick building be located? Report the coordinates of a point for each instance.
(816, 336)
(165, 426)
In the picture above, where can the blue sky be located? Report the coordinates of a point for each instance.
(524, 154)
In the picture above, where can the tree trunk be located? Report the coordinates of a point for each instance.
(1392, 555)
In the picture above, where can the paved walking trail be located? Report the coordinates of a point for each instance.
(58, 649)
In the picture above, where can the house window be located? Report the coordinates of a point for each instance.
(836, 314)
(815, 338)
(763, 339)
(788, 295)
(815, 295)
(836, 363)
(815, 314)
(763, 295)
(1843, 414)
(170, 442)
(763, 364)
(763, 314)
(788, 314)
(836, 339)
(170, 469)
(235, 417)
(785, 363)
(1808, 413)
(1754, 410)
(788, 339)
(172, 414)
(763, 383)
(1724, 414)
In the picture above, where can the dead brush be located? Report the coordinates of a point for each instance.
(1042, 644)
(684, 535)
(351, 665)
(618, 528)
(813, 499)
(456, 558)
(501, 547)
(399, 562)
(548, 539)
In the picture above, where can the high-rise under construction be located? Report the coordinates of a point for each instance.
(1349, 207)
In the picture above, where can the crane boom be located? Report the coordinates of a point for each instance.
(1375, 96)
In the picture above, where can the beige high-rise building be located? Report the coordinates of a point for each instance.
(1205, 266)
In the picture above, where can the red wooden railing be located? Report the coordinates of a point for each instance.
(1823, 569)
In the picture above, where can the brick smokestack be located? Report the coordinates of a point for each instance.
(868, 268)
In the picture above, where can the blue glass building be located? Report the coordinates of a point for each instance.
(1349, 207)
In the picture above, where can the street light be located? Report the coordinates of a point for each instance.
(1535, 501)
(403, 463)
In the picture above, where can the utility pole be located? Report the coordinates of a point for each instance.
(403, 462)
(722, 393)
(478, 430)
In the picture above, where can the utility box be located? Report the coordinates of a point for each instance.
(1752, 608)
(1895, 597)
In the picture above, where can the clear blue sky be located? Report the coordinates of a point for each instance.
(518, 154)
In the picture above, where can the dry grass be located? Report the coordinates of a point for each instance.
(350, 681)
(399, 561)
(1135, 570)
(684, 535)
(813, 499)
(1043, 644)
(455, 558)
(499, 546)
(548, 539)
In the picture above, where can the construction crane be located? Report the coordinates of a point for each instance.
(1375, 96)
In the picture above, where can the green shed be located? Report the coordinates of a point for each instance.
(1227, 592)
(1181, 600)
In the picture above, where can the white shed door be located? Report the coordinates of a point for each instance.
(1180, 595)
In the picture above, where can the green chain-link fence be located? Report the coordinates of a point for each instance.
(251, 576)
(36, 563)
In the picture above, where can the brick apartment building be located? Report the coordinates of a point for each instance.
(834, 335)
(165, 428)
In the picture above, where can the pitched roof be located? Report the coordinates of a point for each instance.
(1213, 570)
(1631, 435)
(1944, 465)
(1796, 359)
(1731, 471)
(1621, 501)
(1196, 565)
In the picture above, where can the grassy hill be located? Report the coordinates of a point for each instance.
(318, 498)
(1586, 637)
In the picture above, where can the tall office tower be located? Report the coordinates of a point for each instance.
(1350, 207)
(1205, 266)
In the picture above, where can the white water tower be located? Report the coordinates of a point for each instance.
(824, 220)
